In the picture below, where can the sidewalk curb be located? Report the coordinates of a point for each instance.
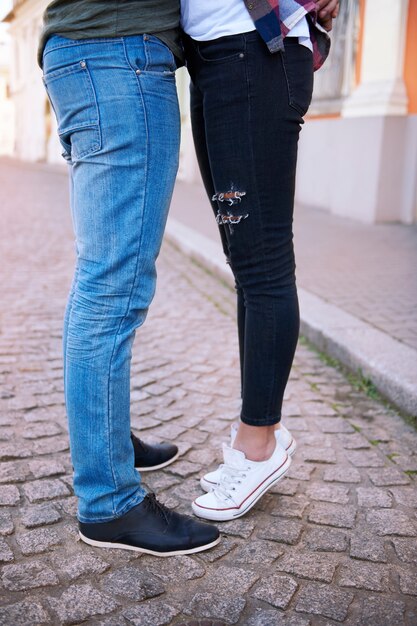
(389, 364)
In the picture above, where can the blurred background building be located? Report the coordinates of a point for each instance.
(358, 151)
(6, 104)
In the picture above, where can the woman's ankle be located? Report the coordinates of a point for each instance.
(256, 442)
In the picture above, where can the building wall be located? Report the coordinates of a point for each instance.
(6, 103)
(357, 153)
(361, 162)
(36, 138)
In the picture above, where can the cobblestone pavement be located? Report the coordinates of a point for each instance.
(366, 270)
(335, 542)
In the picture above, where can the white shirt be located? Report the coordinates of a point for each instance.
(205, 20)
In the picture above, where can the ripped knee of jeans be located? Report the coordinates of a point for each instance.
(228, 216)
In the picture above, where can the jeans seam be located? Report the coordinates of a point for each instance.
(134, 277)
(261, 224)
(82, 42)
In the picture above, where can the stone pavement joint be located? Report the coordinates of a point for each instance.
(332, 543)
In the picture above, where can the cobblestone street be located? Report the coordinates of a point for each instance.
(334, 542)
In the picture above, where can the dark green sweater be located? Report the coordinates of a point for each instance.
(83, 19)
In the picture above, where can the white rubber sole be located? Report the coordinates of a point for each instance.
(292, 447)
(208, 485)
(219, 515)
(123, 546)
(160, 466)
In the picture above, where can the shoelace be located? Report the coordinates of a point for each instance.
(156, 507)
(230, 477)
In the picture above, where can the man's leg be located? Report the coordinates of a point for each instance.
(118, 119)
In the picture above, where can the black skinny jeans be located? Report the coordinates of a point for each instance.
(246, 109)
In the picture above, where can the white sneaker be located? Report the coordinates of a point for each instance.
(283, 437)
(242, 483)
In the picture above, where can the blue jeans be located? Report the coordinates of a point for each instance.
(118, 121)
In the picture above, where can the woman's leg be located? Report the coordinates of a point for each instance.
(252, 109)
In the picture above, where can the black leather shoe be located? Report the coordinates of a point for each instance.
(152, 528)
(152, 457)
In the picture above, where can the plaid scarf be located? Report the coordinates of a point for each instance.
(275, 18)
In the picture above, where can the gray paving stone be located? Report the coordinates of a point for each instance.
(276, 590)
(151, 613)
(174, 568)
(364, 576)
(328, 493)
(13, 472)
(133, 582)
(388, 476)
(355, 441)
(185, 468)
(42, 429)
(238, 528)
(223, 548)
(325, 539)
(38, 540)
(406, 496)
(214, 606)
(364, 545)
(285, 488)
(312, 565)
(6, 554)
(9, 495)
(207, 458)
(262, 617)
(11, 450)
(23, 576)
(334, 425)
(373, 497)
(69, 505)
(342, 474)
(80, 564)
(318, 408)
(26, 613)
(406, 550)
(332, 515)
(290, 506)
(256, 551)
(50, 445)
(159, 481)
(186, 490)
(406, 462)
(381, 611)
(283, 531)
(6, 523)
(408, 582)
(39, 515)
(43, 468)
(80, 602)
(318, 455)
(324, 600)
(48, 489)
(392, 522)
(232, 578)
(300, 471)
(365, 458)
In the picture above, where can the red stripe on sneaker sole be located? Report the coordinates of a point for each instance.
(249, 495)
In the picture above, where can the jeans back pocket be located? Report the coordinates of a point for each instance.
(298, 67)
(73, 99)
